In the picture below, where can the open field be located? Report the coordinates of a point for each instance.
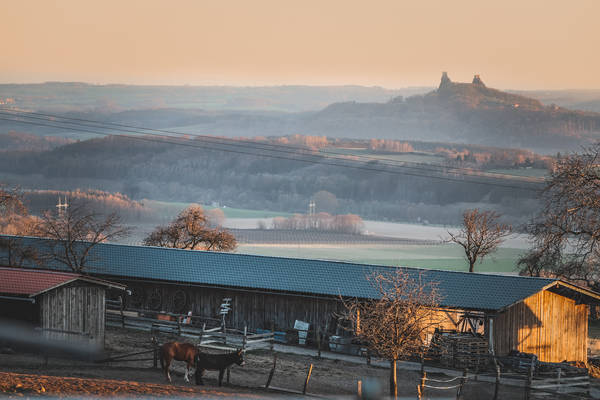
(446, 256)
(169, 209)
(528, 172)
(416, 157)
(399, 247)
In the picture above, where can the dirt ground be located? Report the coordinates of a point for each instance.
(329, 378)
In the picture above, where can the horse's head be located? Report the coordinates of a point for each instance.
(239, 357)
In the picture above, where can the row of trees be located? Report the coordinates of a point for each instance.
(349, 223)
(565, 233)
(77, 230)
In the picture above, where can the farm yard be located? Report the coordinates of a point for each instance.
(27, 374)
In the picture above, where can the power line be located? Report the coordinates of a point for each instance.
(316, 159)
(263, 146)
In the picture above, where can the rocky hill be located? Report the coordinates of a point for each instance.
(455, 112)
(466, 113)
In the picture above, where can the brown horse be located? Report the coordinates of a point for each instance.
(178, 351)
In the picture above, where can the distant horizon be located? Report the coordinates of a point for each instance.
(279, 85)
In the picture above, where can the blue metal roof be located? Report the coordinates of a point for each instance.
(465, 290)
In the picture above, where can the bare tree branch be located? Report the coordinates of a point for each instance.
(567, 231)
(77, 231)
(396, 324)
(480, 235)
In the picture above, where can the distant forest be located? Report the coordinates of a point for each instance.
(371, 189)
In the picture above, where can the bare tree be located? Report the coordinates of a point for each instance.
(480, 235)
(191, 230)
(15, 221)
(76, 231)
(567, 231)
(11, 201)
(395, 324)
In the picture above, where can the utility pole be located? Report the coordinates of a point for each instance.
(62, 207)
(311, 207)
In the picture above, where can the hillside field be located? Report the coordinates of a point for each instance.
(443, 256)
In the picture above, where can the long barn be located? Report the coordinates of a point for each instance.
(547, 317)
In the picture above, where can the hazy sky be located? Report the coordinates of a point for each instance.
(521, 44)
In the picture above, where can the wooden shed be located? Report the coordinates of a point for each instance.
(63, 305)
(544, 316)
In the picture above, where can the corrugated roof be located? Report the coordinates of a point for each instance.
(19, 281)
(32, 282)
(316, 277)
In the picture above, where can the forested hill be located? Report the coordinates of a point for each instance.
(466, 113)
(189, 173)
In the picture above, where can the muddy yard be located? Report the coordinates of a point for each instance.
(329, 378)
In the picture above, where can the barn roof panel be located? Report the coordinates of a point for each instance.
(316, 277)
(19, 281)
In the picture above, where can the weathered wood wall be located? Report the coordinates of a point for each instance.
(254, 309)
(547, 324)
(248, 308)
(77, 308)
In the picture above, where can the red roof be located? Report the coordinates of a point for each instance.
(31, 282)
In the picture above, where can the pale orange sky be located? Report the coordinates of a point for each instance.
(524, 44)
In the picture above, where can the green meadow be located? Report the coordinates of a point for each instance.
(444, 256)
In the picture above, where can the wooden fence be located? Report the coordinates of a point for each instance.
(219, 337)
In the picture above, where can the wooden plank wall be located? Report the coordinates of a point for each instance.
(252, 309)
(257, 310)
(547, 324)
(77, 308)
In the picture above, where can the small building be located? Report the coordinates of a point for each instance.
(544, 316)
(63, 305)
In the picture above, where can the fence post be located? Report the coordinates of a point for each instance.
(121, 311)
(155, 353)
(202, 333)
(421, 385)
(462, 383)
(368, 356)
(273, 338)
(307, 379)
(272, 370)
(318, 331)
(529, 379)
(359, 389)
(245, 338)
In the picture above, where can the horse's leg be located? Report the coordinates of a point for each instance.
(167, 366)
(199, 373)
(221, 372)
(187, 373)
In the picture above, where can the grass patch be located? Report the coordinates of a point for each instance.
(446, 257)
(527, 172)
(407, 157)
(169, 209)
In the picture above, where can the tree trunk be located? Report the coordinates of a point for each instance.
(471, 266)
(393, 381)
